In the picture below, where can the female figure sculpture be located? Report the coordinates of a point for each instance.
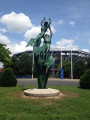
(42, 60)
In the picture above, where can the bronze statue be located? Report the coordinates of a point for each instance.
(43, 61)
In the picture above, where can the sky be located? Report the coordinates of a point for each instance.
(20, 21)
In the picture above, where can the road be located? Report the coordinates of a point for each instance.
(51, 82)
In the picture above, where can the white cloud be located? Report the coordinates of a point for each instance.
(85, 50)
(61, 21)
(3, 30)
(17, 48)
(72, 23)
(32, 33)
(16, 22)
(65, 44)
(19, 23)
(4, 39)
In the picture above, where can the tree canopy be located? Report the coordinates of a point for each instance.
(22, 65)
(5, 54)
(66, 68)
(88, 64)
(79, 68)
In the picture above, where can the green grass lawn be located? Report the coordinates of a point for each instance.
(14, 107)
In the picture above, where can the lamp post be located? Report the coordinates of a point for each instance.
(61, 66)
(71, 66)
(32, 65)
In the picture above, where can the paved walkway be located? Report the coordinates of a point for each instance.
(51, 82)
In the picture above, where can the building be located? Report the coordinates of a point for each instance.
(65, 55)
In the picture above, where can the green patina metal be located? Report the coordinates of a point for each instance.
(43, 60)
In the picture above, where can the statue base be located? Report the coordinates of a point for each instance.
(41, 92)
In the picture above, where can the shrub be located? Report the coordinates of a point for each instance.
(8, 78)
(85, 80)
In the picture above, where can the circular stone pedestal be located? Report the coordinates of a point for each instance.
(41, 92)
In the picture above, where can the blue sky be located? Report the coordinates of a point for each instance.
(20, 21)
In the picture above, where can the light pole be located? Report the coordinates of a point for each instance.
(61, 66)
(71, 66)
(32, 65)
(61, 58)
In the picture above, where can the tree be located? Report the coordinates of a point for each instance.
(79, 68)
(5, 55)
(66, 68)
(25, 64)
(15, 65)
(22, 65)
(88, 64)
(85, 80)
